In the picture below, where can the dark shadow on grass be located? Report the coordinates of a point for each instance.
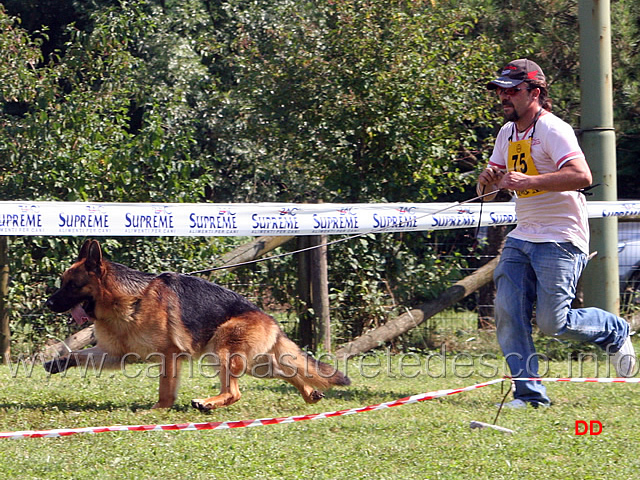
(75, 406)
(362, 395)
(359, 394)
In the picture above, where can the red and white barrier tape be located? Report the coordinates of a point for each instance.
(64, 432)
(579, 380)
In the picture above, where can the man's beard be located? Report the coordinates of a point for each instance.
(513, 116)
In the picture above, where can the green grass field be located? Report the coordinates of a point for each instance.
(427, 440)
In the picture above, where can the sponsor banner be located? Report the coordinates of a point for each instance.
(258, 219)
(614, 209)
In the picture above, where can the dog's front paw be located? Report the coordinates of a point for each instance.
(316, 396)
(58, 365)
(199, 404)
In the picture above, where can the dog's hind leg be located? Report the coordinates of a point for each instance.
(288, 368)
(232, 366)
(270, 366)
(299, 370)
(309, 393)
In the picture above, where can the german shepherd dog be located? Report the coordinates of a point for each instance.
(174, 316)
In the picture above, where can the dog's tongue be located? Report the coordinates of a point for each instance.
(79, 315)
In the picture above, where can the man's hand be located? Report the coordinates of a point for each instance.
(515, 181)
(488, 181)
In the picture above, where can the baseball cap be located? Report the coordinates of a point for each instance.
(516, 72)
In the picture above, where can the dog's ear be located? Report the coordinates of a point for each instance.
(93, 256)
(84, 249)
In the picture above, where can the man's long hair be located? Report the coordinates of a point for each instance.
(543, 98)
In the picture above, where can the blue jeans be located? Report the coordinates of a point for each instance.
(545, 274)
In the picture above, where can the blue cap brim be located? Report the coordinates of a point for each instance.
(503, 82)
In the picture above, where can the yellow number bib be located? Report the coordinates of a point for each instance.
(520, 161)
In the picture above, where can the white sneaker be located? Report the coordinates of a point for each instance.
(624, 360)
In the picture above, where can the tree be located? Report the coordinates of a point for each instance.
(288, 100)
(69, 131)
(625, 16)
(548, 31)
(356, 101)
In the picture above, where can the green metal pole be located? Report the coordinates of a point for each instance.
(600, 281)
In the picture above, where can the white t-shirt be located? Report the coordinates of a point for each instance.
(549, 216)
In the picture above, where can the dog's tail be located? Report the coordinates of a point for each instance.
(296, 363)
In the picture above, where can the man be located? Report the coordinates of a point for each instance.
(537, 156)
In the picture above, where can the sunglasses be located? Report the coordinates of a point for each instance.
(510, 91)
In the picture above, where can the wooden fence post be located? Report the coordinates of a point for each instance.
(320, 291)
(5, 332)
(305, 318)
